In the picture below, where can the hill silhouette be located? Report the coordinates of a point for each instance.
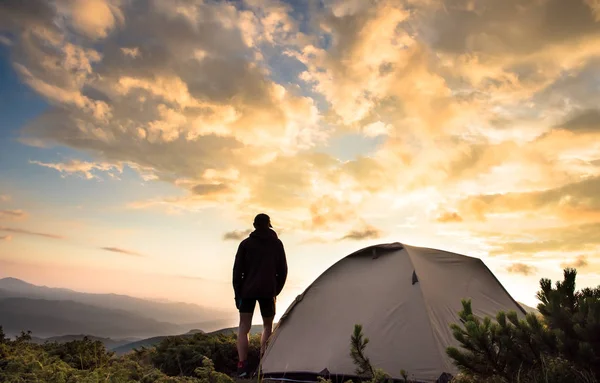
(46, 318)
(173, 312)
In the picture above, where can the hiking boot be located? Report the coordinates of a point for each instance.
(243, 370)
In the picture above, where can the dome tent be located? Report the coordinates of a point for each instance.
(405, 297)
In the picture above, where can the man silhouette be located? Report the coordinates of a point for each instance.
(259, 274)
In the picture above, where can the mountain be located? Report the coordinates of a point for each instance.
(46, 318)
(173, 312)
(124, 349)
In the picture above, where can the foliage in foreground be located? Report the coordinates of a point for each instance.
(561, 345)
(175, 360)
(181, 355)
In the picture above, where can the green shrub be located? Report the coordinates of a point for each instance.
(560, 346)
(180, 356)
(86, 361)
(82, 354)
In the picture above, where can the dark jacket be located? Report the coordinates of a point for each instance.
(260, 267)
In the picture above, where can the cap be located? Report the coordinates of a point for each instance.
(262, 220)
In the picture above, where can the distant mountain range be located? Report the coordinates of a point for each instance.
(121, 322)
(51, 312)
(52, 317)
(174, 312)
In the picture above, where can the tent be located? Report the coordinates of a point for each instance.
(405, 297)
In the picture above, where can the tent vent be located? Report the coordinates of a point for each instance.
(375, 255)
(414, 278)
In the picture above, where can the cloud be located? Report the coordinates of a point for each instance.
(329, 210)
(29, 232)
(475, 26)
(15, 14)
(585, 121)
(5, 41)
(449, 216)
(576, 201)
(94, 18)
(563, 239)
(5, 237)
(236, 235)
(205, 189)
(126, 102)
(366, 232)
(328, 115)
(578, 263)
(12, 214)
(363, 73)
(521, 268)
(83, 168)
(377, 128)
(4, 198)
(122, 251)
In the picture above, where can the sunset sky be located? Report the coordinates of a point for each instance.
(138, 139)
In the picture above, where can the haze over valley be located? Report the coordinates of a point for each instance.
(51, 312)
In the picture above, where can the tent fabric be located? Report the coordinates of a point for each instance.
(405, 297)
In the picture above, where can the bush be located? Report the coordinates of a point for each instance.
(80, 354)
(177, 356)
(86, 361)
(561, 346)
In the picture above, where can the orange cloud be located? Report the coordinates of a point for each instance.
(83, 167)
(366, 232)
(578, 263)
(236, 235)
(471, 122)
(30, 232)
(122, 251)
(449, 216)
(561, 239)
(12, 214)
(521, 268)
(94, 18)
(205, 189)
(327, 210)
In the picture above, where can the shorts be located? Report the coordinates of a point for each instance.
(247, 305)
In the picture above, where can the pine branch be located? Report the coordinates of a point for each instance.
(357, 352)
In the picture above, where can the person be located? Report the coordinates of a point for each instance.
(259, 275)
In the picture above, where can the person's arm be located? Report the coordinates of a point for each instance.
(238, 270)
(282, 270)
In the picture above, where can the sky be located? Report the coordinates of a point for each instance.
(138, 139)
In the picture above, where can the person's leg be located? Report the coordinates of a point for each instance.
(267, 331)
(243, 332)
(267, 310)
(246, 309)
